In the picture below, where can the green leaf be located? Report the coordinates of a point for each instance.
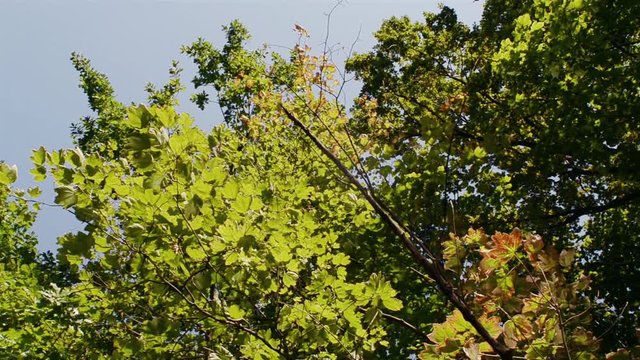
(242, 203)
(178, 143)
(152, 181)
(230, 189)
(216, 173)
(34, 192)
(79, 244)
(102, 244)
(575, 4)
(282, 254)
(231, 259)
(196, 252)
(524, 20)
(392, 304)
(165, 117)
(39, 173)
(65, 196)
(138, 117)
(138, 142)
(341, 259)
(8, 174)
(289, 279)
(76, 157)
(38, 156)
(142, 160)
(537, 25)
(217, 247)
(235, 312)
(479, 152)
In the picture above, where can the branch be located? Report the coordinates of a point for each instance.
(402, 322)
(425, 259)
(575, 214)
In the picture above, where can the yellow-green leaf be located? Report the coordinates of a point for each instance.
(235, 312)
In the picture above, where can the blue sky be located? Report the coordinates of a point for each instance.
(133, 42)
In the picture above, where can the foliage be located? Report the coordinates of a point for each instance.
(17, 244)
(250, 90)
(224, 251)
(298, 229)
(39, 316)
(528, 120)
(104, 133)
(522, 291)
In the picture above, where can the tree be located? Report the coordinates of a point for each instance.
(528, 120)
(225, 244)
(40, 316)
(299, 229)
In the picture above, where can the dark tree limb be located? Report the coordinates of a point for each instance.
(426, 260)
(575, 214)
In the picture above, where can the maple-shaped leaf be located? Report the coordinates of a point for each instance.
(505, 287)
(472, 350)
(532, 304)
(516, 329)
(475, 237)
(451, 328)
(547, 261)
(453, 252)
(533, 244)
(491, 324)
(507, 243)
(582, 283)
(502, 248)
(566, 257)
(583, 338)
(430, 352)
(488, 264)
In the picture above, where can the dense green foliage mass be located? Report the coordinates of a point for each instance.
(304, 227)
(529, 120)
(35, 317)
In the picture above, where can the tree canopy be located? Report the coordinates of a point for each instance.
(477, 200)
